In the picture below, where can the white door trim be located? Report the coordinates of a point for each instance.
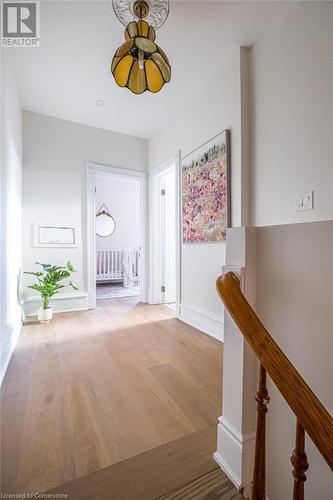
(91, 170)
(178, 232)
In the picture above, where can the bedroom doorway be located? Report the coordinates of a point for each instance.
(116, 228)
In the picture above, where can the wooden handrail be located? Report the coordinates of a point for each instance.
(310, 413)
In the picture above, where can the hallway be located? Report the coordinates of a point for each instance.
(94, 388)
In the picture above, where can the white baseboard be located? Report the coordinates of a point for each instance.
(208, 323)
(10, 337)
(91, 300)
(235, 453)
(60, 303)
(226, 469)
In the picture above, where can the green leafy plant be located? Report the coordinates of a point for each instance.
(49, 280)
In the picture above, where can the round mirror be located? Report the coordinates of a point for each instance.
(105, 224)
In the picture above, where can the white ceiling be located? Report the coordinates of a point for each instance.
(71, 69)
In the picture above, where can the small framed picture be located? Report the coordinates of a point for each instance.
(55, 236)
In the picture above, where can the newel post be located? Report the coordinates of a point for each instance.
(259, 474)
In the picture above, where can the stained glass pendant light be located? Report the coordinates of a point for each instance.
(140, 64)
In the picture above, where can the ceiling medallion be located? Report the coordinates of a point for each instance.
(140, 64)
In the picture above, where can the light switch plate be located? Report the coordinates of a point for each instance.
(304, 201)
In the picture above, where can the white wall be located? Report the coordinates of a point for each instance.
(291, 74)
(295, 303)
(11, 209)
(213, 109)
(55, 153)
(122, 197)
(291, 106)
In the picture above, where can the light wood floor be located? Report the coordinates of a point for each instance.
(94, 388)
(211, 486)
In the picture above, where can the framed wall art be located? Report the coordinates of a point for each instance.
(206, 191)
(47, 236)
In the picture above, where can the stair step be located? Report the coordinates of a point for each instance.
(151, 474)
(214, 485)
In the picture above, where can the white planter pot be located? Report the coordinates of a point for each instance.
(44, 315)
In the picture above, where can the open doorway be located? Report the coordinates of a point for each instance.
(116, 211)
(164, 232)
(117, 236)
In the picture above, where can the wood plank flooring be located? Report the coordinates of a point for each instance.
(94, 388)
(213, 485)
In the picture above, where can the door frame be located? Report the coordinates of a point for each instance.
(155, 213)
(92, 169)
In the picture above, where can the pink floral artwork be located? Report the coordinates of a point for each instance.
(205, 189)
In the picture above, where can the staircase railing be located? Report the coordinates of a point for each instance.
(311, 416)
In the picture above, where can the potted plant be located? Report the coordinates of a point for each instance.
(49, 282)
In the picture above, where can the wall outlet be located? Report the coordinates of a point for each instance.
(304, 201)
